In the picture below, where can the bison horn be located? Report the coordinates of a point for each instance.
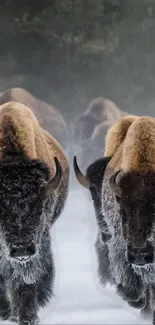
(53, 184)
(82, 179)
(114, 183)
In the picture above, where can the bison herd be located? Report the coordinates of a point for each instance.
(40, 153)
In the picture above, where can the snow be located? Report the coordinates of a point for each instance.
(79, 298)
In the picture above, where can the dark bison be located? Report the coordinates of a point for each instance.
(91, 127)
(93, 182)
(123, 181)
(49, 117)
(34, 176)
(128, 206)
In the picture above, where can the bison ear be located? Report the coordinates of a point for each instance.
(114, 183)
(54, 183)
(82, 179)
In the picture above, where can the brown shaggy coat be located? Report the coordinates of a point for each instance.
(105, 110)
(49, 118)
(131, 142)
(19, 128)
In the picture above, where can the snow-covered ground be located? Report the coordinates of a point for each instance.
(79, 299)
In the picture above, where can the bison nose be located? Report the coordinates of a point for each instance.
(22, 251)
(140, 256)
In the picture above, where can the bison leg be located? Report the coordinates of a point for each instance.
(146, 312)
(103, 261)
(25, 304)
(5, 308)
(133, 291)
(45, 287)
(152, 301)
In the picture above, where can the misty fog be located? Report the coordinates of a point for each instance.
(66, 53)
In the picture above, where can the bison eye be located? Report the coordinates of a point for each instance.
(117, 199)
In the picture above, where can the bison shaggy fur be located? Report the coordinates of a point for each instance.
(128, 208)
(48, 116)
(34, 176)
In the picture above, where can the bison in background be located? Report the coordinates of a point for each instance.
(99, 110)
(48, 116)
(34, 176)
(90, 129)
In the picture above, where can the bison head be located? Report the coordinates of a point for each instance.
(135, 194)
(26, 191)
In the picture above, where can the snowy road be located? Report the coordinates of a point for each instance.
(79, 299)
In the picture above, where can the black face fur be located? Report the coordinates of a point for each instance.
(137, 211)
(95, 173)
(22, 198)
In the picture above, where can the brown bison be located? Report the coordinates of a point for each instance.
(127, 200)
(34, 176)
(99, 110)
(91, 129)
(49, 117)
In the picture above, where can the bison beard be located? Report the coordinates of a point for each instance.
(25, 285)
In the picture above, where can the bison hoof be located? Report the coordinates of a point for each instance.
(153, 318)
(29, 321)
(5, 310)
(139, 304)
(13, 319)
(146, 313)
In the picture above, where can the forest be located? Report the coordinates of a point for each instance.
(67, 52)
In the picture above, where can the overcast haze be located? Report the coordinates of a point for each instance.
(70, 51)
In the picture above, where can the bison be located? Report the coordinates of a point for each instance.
(48, 116)
(99, 110)
(93, 182)
(91, 128)
(128, 207)
(124, 185)
(34, 176)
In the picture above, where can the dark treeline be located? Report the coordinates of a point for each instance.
(69, 51)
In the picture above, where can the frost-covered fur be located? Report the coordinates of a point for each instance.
(25, 218)
(128, 206)
(94, 174)
(20, 278)
(29, 205)
(123, 273)
(132, 282)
